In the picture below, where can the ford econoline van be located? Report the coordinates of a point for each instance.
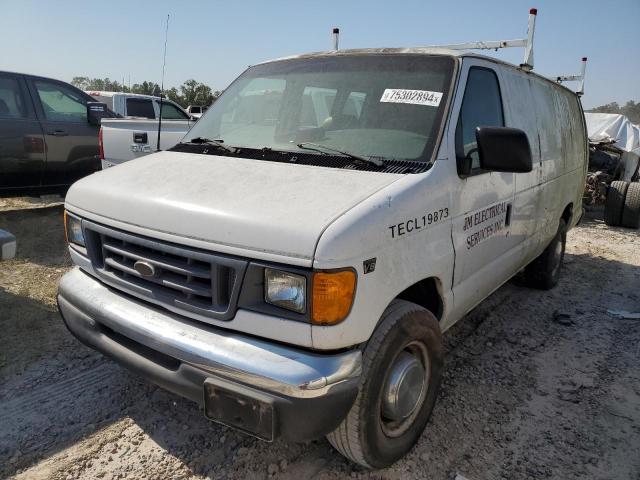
(294, 262)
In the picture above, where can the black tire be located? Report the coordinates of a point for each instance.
(614, 204)
(544, 272)
(631, 210)
(365, 436)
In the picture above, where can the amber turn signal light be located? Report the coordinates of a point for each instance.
(332, 296)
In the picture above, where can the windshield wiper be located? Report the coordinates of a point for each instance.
(215, 143)
(318, 147)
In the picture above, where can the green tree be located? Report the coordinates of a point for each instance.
(173, 95)
(190, 92)
(81, 82)
(612, 107)
(630, 109)
(146, 88)
(196, 93)
(103, 84)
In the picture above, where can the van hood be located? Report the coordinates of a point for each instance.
(240, 206)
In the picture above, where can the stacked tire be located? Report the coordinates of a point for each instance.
(622, 207)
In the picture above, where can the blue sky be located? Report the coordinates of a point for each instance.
(214, 41)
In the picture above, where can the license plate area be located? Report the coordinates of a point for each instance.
(239, 407)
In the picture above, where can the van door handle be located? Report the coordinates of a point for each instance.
(58, 133)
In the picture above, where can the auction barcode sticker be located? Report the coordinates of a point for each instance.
(415, 97)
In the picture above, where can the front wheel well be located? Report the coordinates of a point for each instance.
(425, 293)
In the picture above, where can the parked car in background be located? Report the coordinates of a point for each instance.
(138, 105)
(136, 135)
(124, 139)
(196, 110)
(46, 138)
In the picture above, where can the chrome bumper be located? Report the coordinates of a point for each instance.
(222, 353)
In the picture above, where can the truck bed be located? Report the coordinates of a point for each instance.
(125, 139)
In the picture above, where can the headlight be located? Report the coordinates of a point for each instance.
(286, 290)
(73, 229)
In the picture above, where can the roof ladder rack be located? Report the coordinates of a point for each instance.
(575, 78)
(527, 43)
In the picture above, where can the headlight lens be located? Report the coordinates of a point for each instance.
(73, 229)
(286, 290)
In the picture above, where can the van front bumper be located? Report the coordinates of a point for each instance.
(264, 388)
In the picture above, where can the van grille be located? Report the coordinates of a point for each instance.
(185, 280)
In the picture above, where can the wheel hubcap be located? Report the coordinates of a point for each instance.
(405, 389)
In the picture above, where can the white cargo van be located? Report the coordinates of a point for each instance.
(293, 264)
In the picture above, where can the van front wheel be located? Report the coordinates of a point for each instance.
(544, 271)
(402, 369)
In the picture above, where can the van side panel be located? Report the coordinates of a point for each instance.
(562, 153)
(487, 252)
(582, 159)
(519, 105)
(577, 152)
(551, 117)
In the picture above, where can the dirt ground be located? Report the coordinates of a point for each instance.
(538, 384)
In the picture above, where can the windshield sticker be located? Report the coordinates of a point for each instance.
(414, 97)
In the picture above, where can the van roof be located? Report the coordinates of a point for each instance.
(374, 51)
(413, 51)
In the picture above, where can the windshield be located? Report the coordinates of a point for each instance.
(386, 106)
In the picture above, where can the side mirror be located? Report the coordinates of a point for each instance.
(503, 149)
(95, 112)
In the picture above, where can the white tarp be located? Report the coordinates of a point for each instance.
(612, 126)
(605, 127)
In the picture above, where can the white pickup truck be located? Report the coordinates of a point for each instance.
(124, 139)
(138, 105)
(136, 135)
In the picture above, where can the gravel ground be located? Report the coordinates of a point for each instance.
(538, 384)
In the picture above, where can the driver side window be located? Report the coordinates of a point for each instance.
(61, 104)
(481, 107)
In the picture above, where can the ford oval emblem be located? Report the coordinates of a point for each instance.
(145, 269)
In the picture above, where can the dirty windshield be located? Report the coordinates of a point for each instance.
(373, 106)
